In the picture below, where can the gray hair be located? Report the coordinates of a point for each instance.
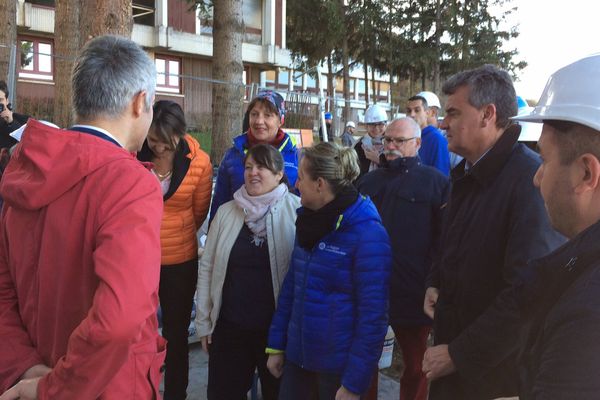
(412, 125)
(108, 73)
(487, 85)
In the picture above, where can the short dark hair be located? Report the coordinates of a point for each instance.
(487, 84)
(423, 101)
(574, 140)
(268, 157)
(168, 121)
(4, 88)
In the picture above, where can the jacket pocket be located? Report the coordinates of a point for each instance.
(149, 370)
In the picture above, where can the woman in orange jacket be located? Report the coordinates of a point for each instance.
(185, 175)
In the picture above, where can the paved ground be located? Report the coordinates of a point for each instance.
(388, 388)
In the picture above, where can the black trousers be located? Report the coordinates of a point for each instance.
(176, 293)
(300, 384)
(233, 357)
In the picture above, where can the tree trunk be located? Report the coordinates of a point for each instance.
(330, 80)
(8, 35)
(366, 66)
(374, 83)
(66, 46)
(228, 28)
(346, 62)
(438, 52)
(105, 17)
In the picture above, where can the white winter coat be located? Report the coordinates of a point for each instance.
(223, 232)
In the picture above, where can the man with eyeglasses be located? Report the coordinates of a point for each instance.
(410, 198)
(369, 147)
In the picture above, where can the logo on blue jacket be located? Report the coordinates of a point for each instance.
(331, 249)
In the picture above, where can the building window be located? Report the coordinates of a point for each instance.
(283, 77)
(270, 79)
(45, 3)
(36, 59)
(168, 71)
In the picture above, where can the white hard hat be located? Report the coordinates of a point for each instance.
(375, 114)
(431, 99)
(571, 94)
(350, 124)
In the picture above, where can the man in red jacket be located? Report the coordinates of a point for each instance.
(80, 242)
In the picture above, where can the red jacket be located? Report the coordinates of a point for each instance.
(79, 268)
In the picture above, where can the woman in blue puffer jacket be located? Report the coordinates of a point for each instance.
(331, 317)
(266, 114)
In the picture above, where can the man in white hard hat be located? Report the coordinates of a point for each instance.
(494, 224)
(423, 108)
(348, 135)
(370, 146)
(561, 357)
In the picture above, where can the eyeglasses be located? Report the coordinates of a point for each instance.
(376, 125)
(397, 141)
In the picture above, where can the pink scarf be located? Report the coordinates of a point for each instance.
(256, 209)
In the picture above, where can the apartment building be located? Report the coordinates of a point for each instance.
(179, 41)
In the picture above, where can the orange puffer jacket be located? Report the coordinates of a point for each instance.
(186, 209)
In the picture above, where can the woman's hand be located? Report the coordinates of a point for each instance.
(345, 394)
(206, 340)
(275, 364)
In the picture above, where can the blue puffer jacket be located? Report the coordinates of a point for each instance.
(332, 310)
(230, 176)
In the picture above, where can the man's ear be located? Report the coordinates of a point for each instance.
(139, 103)
(587, 173)
(488, 115)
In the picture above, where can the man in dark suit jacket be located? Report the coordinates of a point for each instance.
(495, 223)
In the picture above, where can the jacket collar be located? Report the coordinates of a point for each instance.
(404, 162)
(486, 169)
(547, 273)
(181, 165)
(582, 249)
(241, 143)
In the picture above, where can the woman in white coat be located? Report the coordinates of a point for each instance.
(246, 257)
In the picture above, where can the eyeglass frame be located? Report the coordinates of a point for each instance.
(377, 124)
(397, 141)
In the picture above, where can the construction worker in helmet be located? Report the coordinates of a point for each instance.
(370, 146)
(561, 357)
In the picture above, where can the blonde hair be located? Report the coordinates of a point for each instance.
(336, 165)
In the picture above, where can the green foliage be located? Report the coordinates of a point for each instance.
(203, 6)
(401, 37)
(204, 138)
(315, 29)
